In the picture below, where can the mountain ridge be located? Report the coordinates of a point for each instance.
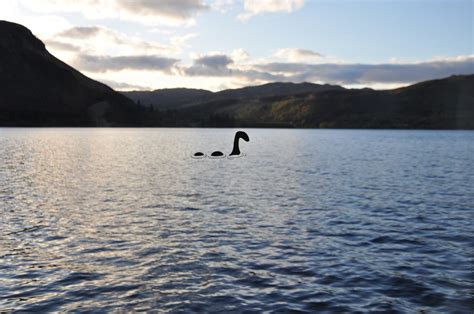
(446, 103)
(156, 96)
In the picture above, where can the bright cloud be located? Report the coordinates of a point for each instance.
(40, 24)
(149, 12)
(298, 55)
(240, 55)
(256, 7)
(102, 40)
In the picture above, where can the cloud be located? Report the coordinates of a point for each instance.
(222, 65)
(93, 63)
(218, 70)
(210, 65)
(298, 55)
(176, 9)
(182, 41)
(239, 55)
(149, 12)
(223, 6)
(214, 61)
(255, 7)
(368, 74)
(98, 40)
(347, 74)
(58, 45)
(81, 32)
(40, 24)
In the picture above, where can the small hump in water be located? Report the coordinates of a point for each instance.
(199, 155)
(217, 154)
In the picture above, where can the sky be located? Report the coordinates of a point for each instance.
(220, 44)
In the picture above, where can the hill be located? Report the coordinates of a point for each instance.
(177, 98)
(437, 104)
(39, 90)
(170, 98)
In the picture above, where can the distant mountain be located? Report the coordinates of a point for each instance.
(275, 90)
(438, 104)
(170, 98)
(177, 98)
(36, 89)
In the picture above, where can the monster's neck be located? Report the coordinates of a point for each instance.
(236, 150)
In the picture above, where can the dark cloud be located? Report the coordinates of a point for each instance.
(308, 53)
(344, 74)
(214, 61)
(181, 9)
(108, 63)
(369, 73)
(212, 65)
(254, 75)
(80, 32)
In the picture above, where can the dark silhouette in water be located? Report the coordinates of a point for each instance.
(239, 135)
(217, 154)
(235, 150)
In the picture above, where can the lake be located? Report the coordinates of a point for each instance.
(308, 220)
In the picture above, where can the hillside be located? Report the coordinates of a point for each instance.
(178, 98)
(438, 104)
(171, 98)
(39, 90)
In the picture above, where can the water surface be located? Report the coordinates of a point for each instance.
(309, 220)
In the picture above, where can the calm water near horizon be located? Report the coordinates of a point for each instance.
(308, 220)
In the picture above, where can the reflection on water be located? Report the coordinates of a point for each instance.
(342, 220)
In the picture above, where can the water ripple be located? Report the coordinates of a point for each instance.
(98, 220)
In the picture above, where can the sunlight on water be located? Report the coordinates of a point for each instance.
(308, 220)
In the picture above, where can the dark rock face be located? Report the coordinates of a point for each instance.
(39, 90)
